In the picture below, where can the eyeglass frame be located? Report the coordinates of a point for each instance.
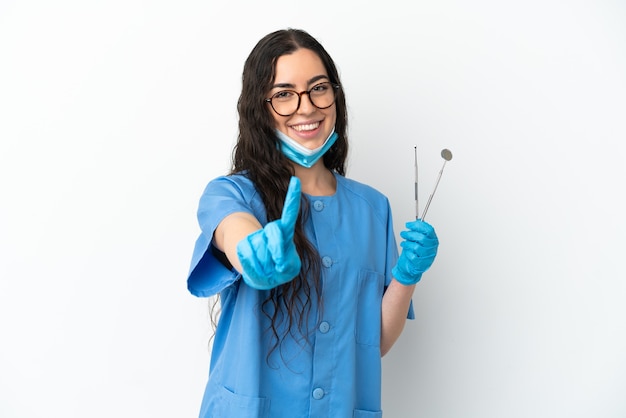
(335, 86)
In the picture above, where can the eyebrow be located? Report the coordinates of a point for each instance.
(292, 86)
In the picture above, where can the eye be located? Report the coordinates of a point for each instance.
(284, 95)
(320, 88)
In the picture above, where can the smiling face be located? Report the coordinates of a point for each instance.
(300, 71)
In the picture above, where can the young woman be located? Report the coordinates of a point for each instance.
(304, 260)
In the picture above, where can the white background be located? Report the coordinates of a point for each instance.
(114, 115)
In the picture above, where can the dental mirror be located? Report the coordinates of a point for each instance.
(446, 154)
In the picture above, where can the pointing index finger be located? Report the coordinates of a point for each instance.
(292, 206)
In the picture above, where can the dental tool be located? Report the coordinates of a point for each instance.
(417, 210)
(447, 156)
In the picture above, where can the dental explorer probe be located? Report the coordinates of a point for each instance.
(417, 210)
(447, 156)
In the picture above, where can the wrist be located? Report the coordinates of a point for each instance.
(405, 278)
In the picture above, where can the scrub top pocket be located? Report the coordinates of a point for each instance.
(230, 404)
(358, 413)
(370, 293)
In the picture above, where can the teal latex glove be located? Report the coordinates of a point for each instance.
(268, 256)
(419, 249)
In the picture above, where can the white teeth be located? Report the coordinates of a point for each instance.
(308, 127)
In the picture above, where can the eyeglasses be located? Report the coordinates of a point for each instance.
(287, 102)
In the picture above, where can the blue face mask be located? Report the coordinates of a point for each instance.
(302, 155)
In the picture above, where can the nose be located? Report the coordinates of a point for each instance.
(306, 106)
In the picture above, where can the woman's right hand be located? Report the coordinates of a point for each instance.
(268, 256)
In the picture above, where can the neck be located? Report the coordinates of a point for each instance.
(317, 180)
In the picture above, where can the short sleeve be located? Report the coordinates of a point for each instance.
(222, 197)
(392, 257)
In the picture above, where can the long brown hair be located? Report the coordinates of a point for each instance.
(257, 154)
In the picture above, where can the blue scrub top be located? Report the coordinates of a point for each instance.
(335, 371)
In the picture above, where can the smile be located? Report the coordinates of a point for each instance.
(307, 127)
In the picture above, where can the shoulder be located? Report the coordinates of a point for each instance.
(233, 193)
(364, 193)
(234, 186)
(361, 190)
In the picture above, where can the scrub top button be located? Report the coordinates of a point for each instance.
(318, 393)
(327, 261)
(324, 327)
(318, 205)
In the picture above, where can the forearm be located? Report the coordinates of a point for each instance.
(395, 307)
(230, 231)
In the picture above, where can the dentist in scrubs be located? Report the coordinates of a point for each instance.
(312, 291)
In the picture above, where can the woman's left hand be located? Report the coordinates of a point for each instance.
(419, 249)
